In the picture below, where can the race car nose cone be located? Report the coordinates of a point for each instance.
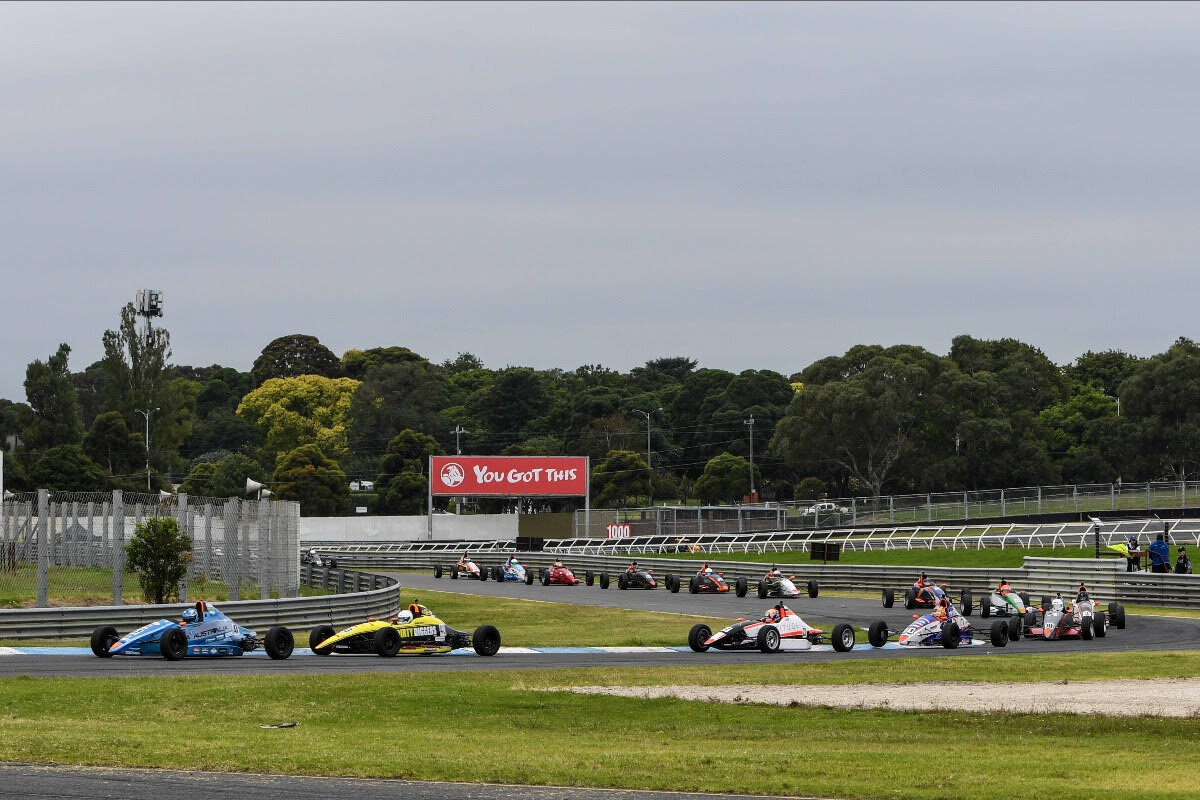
(903, 638)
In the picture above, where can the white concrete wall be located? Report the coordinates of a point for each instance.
(446, 527)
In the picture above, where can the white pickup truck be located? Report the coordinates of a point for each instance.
(824, 507)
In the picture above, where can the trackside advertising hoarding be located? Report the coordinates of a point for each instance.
(508, 476)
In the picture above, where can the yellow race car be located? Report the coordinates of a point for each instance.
(414, 632)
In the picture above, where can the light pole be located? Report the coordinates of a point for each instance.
(1111, 397)
(750, 422)
(646, 414)
(146, 413)
(458, 431)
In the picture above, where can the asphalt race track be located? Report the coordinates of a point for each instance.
(1142, 633)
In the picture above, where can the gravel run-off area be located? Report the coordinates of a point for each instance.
(1164, 697)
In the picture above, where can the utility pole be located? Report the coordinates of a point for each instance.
(750, 422)
(458, 431)
(146, 413)
(646, 414)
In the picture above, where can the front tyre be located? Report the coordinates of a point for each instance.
(604, 580)
(486, 640)
(623, 580)
(910, 599)
(813, 588)
(889, 598)
(697, 636)
(742, 587)
(279, 642)
(588, 578)
(951, 634)
(437, 570)
(877, 634)
(762, 590)
(1014, 629)
(386, 641)
(173, 644)
(318, 635)
(768, 639)
(843, 638)
(694, 585)
(967, 602)
(102, 639)
(999, 633)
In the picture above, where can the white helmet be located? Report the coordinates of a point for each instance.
(405, 616)
(1056, 604)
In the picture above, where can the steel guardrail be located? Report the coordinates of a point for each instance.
(357, 596)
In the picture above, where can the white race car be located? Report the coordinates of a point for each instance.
(930, 630)
(780, 629)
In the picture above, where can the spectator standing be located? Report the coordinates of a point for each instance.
(1133, 562)
(1183, 564)
(1160, 555)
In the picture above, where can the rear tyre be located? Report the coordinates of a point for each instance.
(999, 633)
(173, 644)
(437, 570)
(486, 640)
(528, 578)
(742, 587)
(768, 639)
(1116, 612)
(889, 598)
(604, 580)
(843, 638)
(1014, 629)
(545, 577)
(483, 574)
(623, 580)
(877, 634)
(762, 590)
(588, 578)
(279, 642)
(697, 636)
(694, 585)
(673, 583)
(386, 641)
(1098, 626)
(1030, 619)
(951, 634)
(968, 601)
(1024, 598)
(813, 588)
(102, 639)
(910, 599)
(985, 609)
(454, 572)
(318, 635)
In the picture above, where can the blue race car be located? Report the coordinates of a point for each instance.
(512, 571)
(204, 631)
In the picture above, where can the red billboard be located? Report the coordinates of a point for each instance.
(509, 476)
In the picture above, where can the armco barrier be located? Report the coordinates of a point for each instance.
(358, 596)
(1106, 578)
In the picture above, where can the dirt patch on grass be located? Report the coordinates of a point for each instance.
(1166, 697)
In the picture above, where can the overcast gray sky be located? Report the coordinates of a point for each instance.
(556, 185)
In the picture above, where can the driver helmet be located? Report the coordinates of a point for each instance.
(405, 616)
(189, 615)
(1056, 604)
(924, 577)
(773, 615)
(512, 560)
(466, 558)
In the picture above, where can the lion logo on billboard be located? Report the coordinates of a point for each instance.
(452, 474)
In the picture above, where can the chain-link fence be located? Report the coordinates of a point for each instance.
(68, 548)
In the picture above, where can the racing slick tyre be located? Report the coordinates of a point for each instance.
(910, 599)
(437, 570)
(742, 587)
(173, 644)
(483, 574)
(545, 577)
(889, 598)
(623, 581)
(454, 572)
(1116, 613)
(877, 634)
(985, 609)
(386, 642)
(694, 585)
(588, 577)
(843, 638)
(762, 590)
(813, 589)
(1014, 629)
(967, 602)
(1086, 628)
(768, 639)
(486, 640)
(672, 583)
(697, 636)
(1024, 598)
(318, 635)
(999, 633)
(279, 642)
(603, 580)
(1098, 626)
(1030, 619)
(528, 578)
(951, 634)
(102, 639)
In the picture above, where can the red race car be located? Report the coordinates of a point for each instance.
(558, 575)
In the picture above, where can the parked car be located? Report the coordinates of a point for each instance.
(823, 508)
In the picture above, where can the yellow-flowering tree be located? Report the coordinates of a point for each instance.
(308, 409)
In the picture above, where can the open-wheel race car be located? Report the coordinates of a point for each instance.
(1004, 602)
(1081, 619)
(465, 568)
(709, 581)
(413, 632)
(512, 570)
(776, 584)
(638, 578)
(933, 630)
(779, 629)
(926, 594)
(204, 632)
(557, 574)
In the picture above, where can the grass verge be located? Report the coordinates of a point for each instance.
(490, 727)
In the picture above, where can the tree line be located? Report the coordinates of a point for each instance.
(875, 420)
